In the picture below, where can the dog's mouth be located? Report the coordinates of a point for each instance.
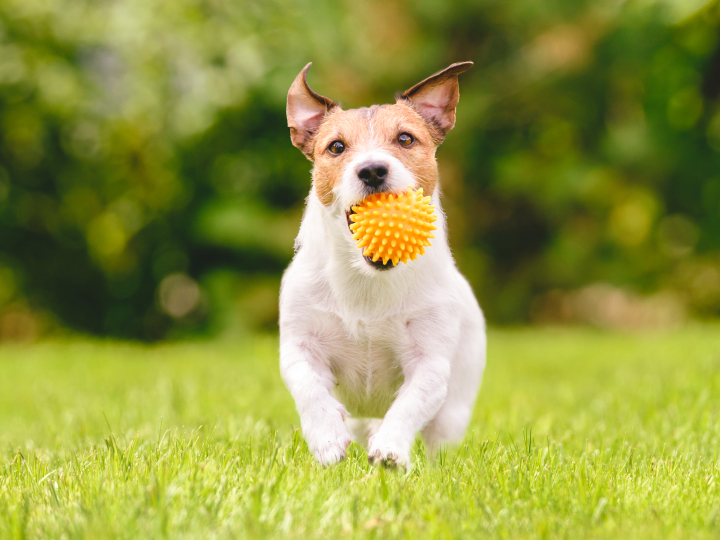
(378, 265)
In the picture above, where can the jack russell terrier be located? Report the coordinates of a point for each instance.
(375, 352)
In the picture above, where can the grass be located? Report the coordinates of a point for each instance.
(576, 433)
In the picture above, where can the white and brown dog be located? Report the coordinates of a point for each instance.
(377, 351)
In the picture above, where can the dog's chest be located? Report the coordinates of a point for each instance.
(367, 368)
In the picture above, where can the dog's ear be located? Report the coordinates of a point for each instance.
(436, 97)
(305, 111)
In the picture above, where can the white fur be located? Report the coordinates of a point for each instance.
(405, 345)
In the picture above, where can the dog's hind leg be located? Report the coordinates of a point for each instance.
(448, 427)
(361, 429)
(451, 421)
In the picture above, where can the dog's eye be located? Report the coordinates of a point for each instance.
(405, 139)
(336, 148)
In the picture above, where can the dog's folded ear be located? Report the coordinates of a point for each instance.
(436, 97)
(305, 111)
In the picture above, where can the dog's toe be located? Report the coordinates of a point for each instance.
(388, 457)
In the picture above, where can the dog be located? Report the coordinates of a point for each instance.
(375, 352)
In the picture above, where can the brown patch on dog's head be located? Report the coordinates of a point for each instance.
(426, 112)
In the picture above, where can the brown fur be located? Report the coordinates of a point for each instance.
(377, 126)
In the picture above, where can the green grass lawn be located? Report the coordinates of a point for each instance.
(576, 434)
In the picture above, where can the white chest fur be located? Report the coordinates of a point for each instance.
(366, 365)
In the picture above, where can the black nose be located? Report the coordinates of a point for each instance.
(373, 173)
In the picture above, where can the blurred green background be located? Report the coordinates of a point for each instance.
(149, 189)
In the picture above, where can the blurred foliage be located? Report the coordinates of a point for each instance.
(148, 186)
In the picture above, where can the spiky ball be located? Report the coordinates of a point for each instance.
(394, 227)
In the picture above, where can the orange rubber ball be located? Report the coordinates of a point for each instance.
(394, 227)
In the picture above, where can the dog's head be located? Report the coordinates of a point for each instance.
(381, 148)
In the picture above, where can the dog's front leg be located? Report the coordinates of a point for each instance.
(321, 415)
(420, 398)
(426, 367)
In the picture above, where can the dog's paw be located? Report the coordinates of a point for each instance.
(327, 440)
(386, 453)
(329, 450)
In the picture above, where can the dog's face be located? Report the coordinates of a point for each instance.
(381, 148)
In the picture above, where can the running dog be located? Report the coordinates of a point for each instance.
(375, 352)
